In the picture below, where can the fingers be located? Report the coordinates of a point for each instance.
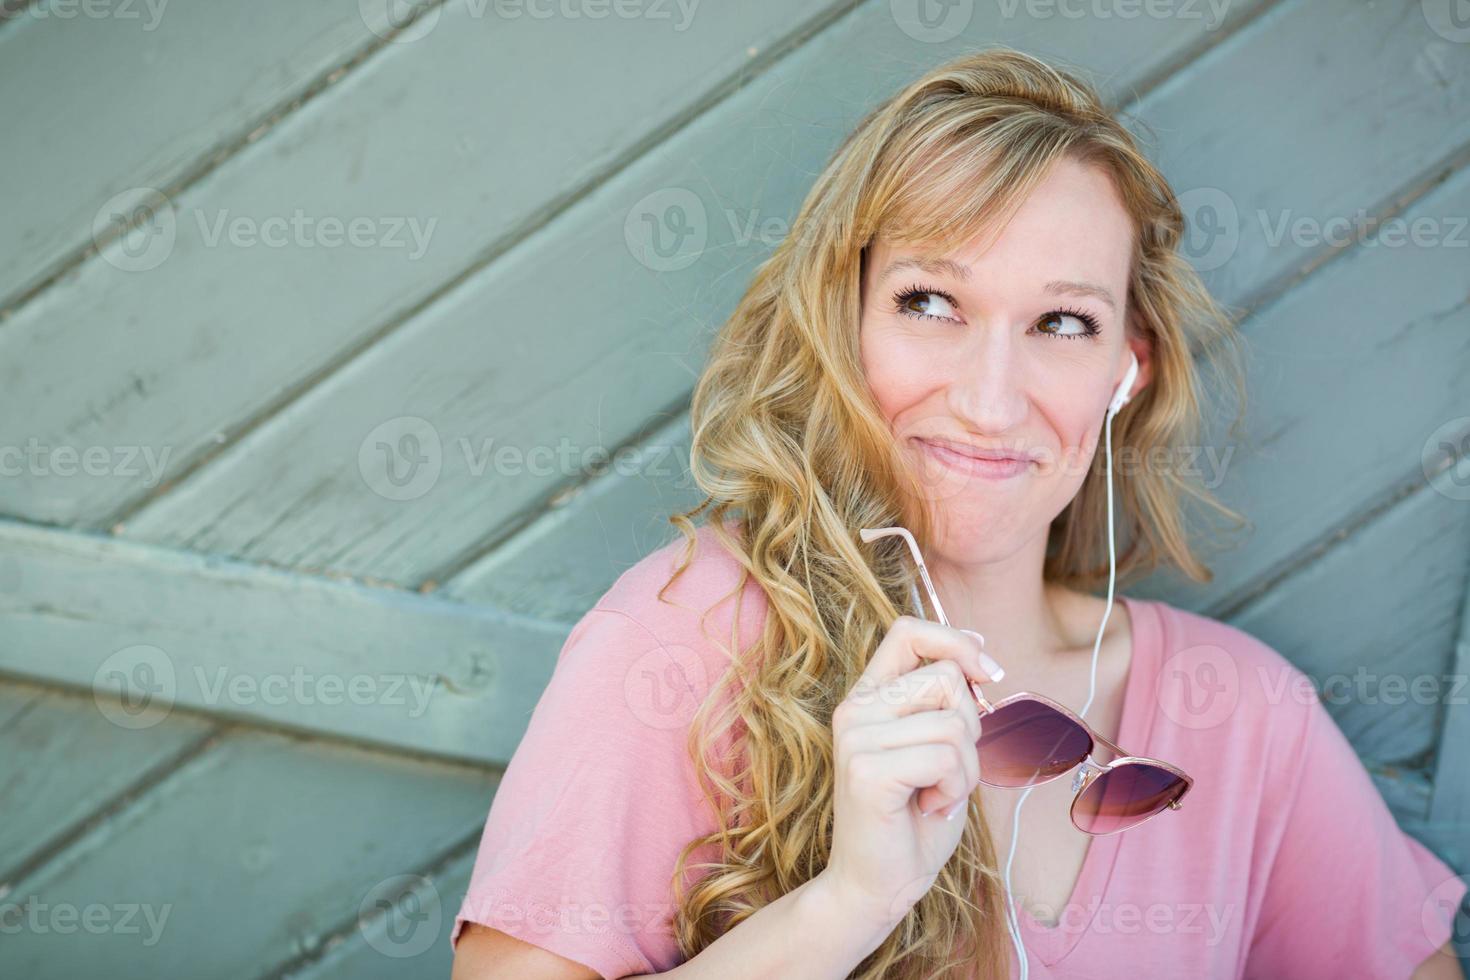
(913, 767)
(942, 684)
(959, 728)
(910, 641)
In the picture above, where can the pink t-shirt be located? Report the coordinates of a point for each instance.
(1284, 860)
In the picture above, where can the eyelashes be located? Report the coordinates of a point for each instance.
(901, 300)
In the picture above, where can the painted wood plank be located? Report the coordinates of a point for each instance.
(561, 564)
(352, 212)
(61, 759)
(157, 629)
(1357, 377)
(410, 938)
(129, 124)
(1449, 810)
(1374, 622)
(1295, 458)
(605, 357)
(242, 860)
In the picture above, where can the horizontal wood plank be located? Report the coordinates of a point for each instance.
(147, 630)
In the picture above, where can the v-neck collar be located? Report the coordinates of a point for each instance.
(1049, 945)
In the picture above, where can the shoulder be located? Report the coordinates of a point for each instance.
(710, 595)
(668, 639)
(1218, 684)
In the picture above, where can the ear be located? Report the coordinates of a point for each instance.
(1144, 351)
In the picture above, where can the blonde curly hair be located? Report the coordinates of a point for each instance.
(788, 440)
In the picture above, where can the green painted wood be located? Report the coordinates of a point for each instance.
(392, 945)
(1374, 623)
(241, 861)
(272, 647)
(350, 213)
(128, 123)
(563, 562)
(1354, 376)
(61, 760)
(1323, 337)
(626, 319)
(1449, 810)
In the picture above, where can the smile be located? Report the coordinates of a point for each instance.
(990, 469)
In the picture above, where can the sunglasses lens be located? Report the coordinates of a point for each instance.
(1125, 796)
(1027, 742)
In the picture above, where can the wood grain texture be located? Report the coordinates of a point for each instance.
(61, 760)
(265, 845)
(734, 175)
(121, 123)
(147, 629)
(356, 210)
(1374, 624)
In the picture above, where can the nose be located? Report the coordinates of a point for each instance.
(987, 389)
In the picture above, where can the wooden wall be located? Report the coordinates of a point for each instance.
(319, 321)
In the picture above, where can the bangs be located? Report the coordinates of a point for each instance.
(953, 188)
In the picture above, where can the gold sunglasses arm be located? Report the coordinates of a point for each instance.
(1115, 747)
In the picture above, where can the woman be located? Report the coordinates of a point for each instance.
(745, 760)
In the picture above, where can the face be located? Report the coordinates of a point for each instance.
(1013, 349)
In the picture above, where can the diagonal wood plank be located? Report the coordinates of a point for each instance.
(1449, 809)
(1373, 622)
(147, 629)
(61, 760)
(343, 219)
(395, 466)
(250, 855)
(1357, 376)
(560, 564)
(127, 129)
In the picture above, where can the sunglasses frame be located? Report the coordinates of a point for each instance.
(1091, 771)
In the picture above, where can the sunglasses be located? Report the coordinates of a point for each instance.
(1027, 740)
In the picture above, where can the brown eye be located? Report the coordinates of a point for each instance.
(925, 303)
(1060, 323)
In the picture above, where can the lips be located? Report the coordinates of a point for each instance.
(974, 452)
(972, 462)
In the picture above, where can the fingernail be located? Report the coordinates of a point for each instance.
(954, 810)
(987, 663)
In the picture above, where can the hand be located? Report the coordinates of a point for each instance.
(904, 748)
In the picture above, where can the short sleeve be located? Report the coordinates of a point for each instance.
(584, 831)
(1349, 892)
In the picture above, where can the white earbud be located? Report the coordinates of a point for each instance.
(1124, 394)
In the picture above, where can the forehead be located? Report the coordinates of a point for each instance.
(1071, 226)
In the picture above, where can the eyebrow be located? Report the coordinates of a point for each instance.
(936, 267)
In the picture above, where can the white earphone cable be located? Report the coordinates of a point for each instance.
(1011, 917)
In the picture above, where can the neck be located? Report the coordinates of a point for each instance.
(1025, 620)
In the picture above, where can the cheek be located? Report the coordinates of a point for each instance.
(895, 376)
